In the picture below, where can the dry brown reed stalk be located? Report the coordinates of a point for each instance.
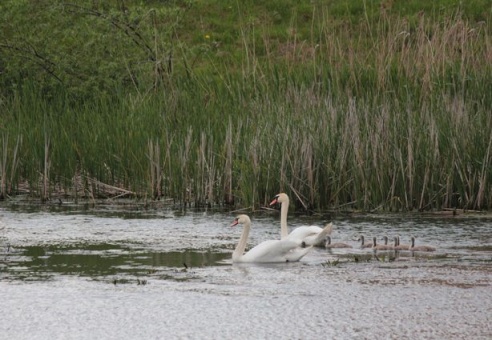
(46, 172)
(410, 160)
(463, 173)
(404, 182)
(486, 164)
(113, 191)
(167, 159)
(77, 183)
(150, 155)
(228, 144)
(357, 153)
(186, 189)
(154, 156)
(158, 170)
(295, 161)
(211, 179)
(3, 166)
(206, 171)
(309, 168)
(200, 185)
(15, 162)
(299, 197)
(424, 187)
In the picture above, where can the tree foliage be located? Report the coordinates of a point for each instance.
(89, 47)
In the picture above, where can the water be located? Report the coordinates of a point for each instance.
(125, 274)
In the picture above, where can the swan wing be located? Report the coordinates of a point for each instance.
(299, 234)
(311, 235)
(319, 240)
(275, 251)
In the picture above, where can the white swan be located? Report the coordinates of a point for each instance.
(311, 236)
(267, 251)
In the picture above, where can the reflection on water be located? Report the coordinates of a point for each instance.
(98, 261)
(144, 273)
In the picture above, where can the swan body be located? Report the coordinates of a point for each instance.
(420, 248)
(310, 235)
(362, 243)
(376, 246)
(328, 244)
(268, 251)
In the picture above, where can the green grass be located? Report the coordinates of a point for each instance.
(372, 105)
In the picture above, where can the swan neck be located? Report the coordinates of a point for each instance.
(284, 210)
(241, 246)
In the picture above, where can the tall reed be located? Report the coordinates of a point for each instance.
(8, 157)
(400, 121)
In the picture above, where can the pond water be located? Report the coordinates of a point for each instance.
(75, 273)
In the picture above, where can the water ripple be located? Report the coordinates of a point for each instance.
(81, 275)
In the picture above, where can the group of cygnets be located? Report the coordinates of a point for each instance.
(293, 246)
(375, 246)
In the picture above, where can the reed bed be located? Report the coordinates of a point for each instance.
(395, 122)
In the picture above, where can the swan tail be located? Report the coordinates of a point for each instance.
(320, 239)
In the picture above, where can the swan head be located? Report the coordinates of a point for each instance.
(241, 219)
(280, 198)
